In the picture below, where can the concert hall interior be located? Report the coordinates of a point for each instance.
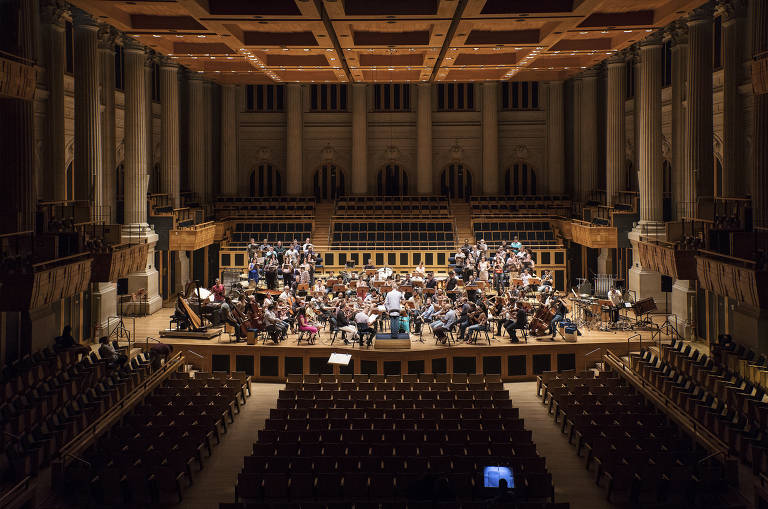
(403, 254)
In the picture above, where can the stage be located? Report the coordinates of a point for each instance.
(514, 361)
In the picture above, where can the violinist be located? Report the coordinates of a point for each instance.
(342, 321)
(520, 322)
(465, 318)
(275, 327)
(560, 312)
(218, 291)
(362, 319)
(480, 319)
(424, 315)
(450, 285)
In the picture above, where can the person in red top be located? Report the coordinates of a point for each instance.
(218, 291)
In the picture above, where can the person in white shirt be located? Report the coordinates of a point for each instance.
(392, 305)
(363, 327)
(614, 295)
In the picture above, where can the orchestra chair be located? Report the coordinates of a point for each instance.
(303, 334)
(476, 334)
(334, 332)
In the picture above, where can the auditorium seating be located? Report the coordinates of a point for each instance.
(155, 453)
(387, 234)
(530, 233)
(505, 205)
(273, 231)
(634, 448)
(730, 406)
(373, 438)
(234, 206)
(49, 397)
(374, 206)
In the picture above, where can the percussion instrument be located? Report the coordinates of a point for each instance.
(644, 306)
(603, 283)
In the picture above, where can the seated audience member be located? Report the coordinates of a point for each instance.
(109, 354)
(67, 342)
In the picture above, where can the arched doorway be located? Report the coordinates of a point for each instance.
(329, 182)
(520, 180)
(456, 181)
(70, 179)
(265, 180)
(392, 180)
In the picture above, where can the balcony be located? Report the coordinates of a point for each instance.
(668, 258)
(735, 278)
(590, 235)
(192, 238)
(119, 261)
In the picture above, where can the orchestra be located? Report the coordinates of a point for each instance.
(496, 291)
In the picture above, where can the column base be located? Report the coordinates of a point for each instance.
(104, 306)
(148, 279)
(645, 284)
(605, 261)
(683, 307)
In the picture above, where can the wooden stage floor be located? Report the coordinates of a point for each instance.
(515, 361)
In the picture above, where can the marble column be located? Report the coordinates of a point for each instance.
(575, 130)
(149, 63)
(108, 164)
(208, 130)
(616, 95)
(679, 34)
(644, 282)
(229, 122)
(136, 228)
(359, 139)
(651, 176)
(294, 139)
(87, 164)
(424, 138)
(55, 179)
(555, 138)
(135, 123)
(169, 130)
(732, 15)
(196, 159)
(759, 188)
(588, 127)
(698, 177)
(490, 124)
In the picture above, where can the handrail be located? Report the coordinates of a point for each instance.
(638, 335)
(588, 354)
(112, 415)
(673, 411)
(715, 254)
(54, 262)
(7, 499)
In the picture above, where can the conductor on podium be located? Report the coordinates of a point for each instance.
(392, 305)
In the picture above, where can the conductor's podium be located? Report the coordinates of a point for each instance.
(385, 341)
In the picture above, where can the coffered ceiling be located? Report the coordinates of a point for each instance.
(279, 41)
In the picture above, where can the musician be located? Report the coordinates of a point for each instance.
(515, 245)
(270, 272)
(218, 291)
(392, 304)
(275, 327)
(421, 270)
(369, 264)
(482, 246)
(424, 315)
(480, 319)
(280, 252)
(287, 271)
(305, 325)
(617, 299)
(291, 255)
(252, 249)
(560, 312)
(431, 281)
(546, 282)
(444, 322)
(363, 327)
(521, 322)
(482, 268)
(465, 316)
(225, 315)
(342, 321)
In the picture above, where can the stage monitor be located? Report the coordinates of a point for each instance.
(492, 476)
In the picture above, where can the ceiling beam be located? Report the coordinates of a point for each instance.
(334, 39)
(460, 6)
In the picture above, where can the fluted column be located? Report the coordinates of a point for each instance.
(732, 11)
(698, 178)
(107, 80)
(169, 130)
(759, 188)
(208, 130)
(424, 138)
(87, 165)
(229, 139)
(651, 176)
(588, 152)
(679, 34)
(490, 122)
(55, 179)
(575, 134)
(149, 62)
(135, 205)
(196, 159)
(294, 139)
(555, 138)
(616, 94)
(359, 139)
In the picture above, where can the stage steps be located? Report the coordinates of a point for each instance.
(321, 232)
(462, 214)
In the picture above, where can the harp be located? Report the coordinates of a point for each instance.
(195, 319)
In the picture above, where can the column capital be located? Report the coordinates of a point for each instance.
(107, 36)
(168, 63)
(633, 54)
(53, 12)
(81, 19)
(194, 75)
(678, 33)
(655, 39)
(701, 14)
(151, 58)
(131, 45)
(730, 10)
(618, 58)
(591, 73)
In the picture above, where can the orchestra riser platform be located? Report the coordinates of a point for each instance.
(515, 362)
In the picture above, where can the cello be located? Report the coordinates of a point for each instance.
(541, 319)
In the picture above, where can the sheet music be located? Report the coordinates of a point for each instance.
(340, 358)
(372, 319)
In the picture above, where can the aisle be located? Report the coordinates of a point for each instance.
(573, 483)
(216, 482)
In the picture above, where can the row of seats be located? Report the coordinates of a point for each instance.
(153, 455)
(483, 200)
(458, 378)
(49, 404)
(273, 227)
(377, 453)
(269, 200)
(391, 226)
(403, 240)
(728, 406)
(633, 447)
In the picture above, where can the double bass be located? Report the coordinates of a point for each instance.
(541, 319)
(253, 317)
